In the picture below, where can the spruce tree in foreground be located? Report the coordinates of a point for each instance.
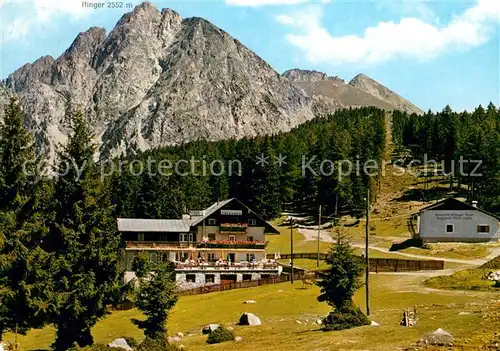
(156, 296)
(83, 242)
(338, 285)
(23, 273)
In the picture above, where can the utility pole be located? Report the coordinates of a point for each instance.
(319, 233)
(367, 262)
(291, 247)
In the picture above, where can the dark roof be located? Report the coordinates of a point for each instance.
(181, 225)
(452, 204)
(269, 229)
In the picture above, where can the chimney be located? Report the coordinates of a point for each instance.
(474, 203)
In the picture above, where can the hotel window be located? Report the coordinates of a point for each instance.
(209, 278)
(140, 237)
(252, 221)
(250, 238)
(483, 228)
(185, 237)
(211, 236)
(449, 228)
(212, 221)
(161, 257)
(211, 257)
(232, 238)
(190, 278)
(250, 257)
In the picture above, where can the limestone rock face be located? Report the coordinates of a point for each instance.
(304, 75)
(376, 89)
(157, 80)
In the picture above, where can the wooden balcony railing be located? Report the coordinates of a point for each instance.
(233, 227)
(232, 245)
(158, 245)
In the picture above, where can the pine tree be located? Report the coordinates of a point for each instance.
(156, 295)
(339, 283)
(23, 273)
(83, 242)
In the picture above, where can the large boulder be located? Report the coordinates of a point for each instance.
(438, 337)
(207, 329)
(249, 319)
(120, 343)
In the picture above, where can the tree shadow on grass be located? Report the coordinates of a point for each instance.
(413, 242)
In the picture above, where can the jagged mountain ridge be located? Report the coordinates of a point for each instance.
(157, 79)
(383, 93)
(332, 92)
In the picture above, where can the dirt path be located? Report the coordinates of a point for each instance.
(325, 236)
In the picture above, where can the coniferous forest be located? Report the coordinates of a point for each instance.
(467, 144)
(307, 177)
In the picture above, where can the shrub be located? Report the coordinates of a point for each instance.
(219, 335)
(345, 318)
(158, 344)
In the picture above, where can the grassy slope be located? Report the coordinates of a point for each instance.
(281, 305)
(470, 279)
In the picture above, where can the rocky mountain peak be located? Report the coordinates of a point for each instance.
(87, 42)
(30, 72)
(372, 87)
(303, 75)
(157, 80)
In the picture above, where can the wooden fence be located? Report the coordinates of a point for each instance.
(382, 264)
(240, 285)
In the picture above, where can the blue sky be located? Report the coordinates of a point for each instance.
(432, 52)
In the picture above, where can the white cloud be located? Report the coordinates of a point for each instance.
(256, 3)
(46, 9)
(410, 37)
(419, 8)
(21, 17)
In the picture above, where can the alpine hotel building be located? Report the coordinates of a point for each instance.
(222, 244)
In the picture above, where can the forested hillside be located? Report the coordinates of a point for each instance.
(302, 181)
(467, 143)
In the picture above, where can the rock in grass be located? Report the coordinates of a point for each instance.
(438, 337)
(207, 329)
(238, 339)
(249, 319)
(374, 324)
(250, 301)
(120, 343)
(173, 339)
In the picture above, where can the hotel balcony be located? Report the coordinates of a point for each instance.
(225, 266)
(236, 228)
(218, 244)
(158, 245)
